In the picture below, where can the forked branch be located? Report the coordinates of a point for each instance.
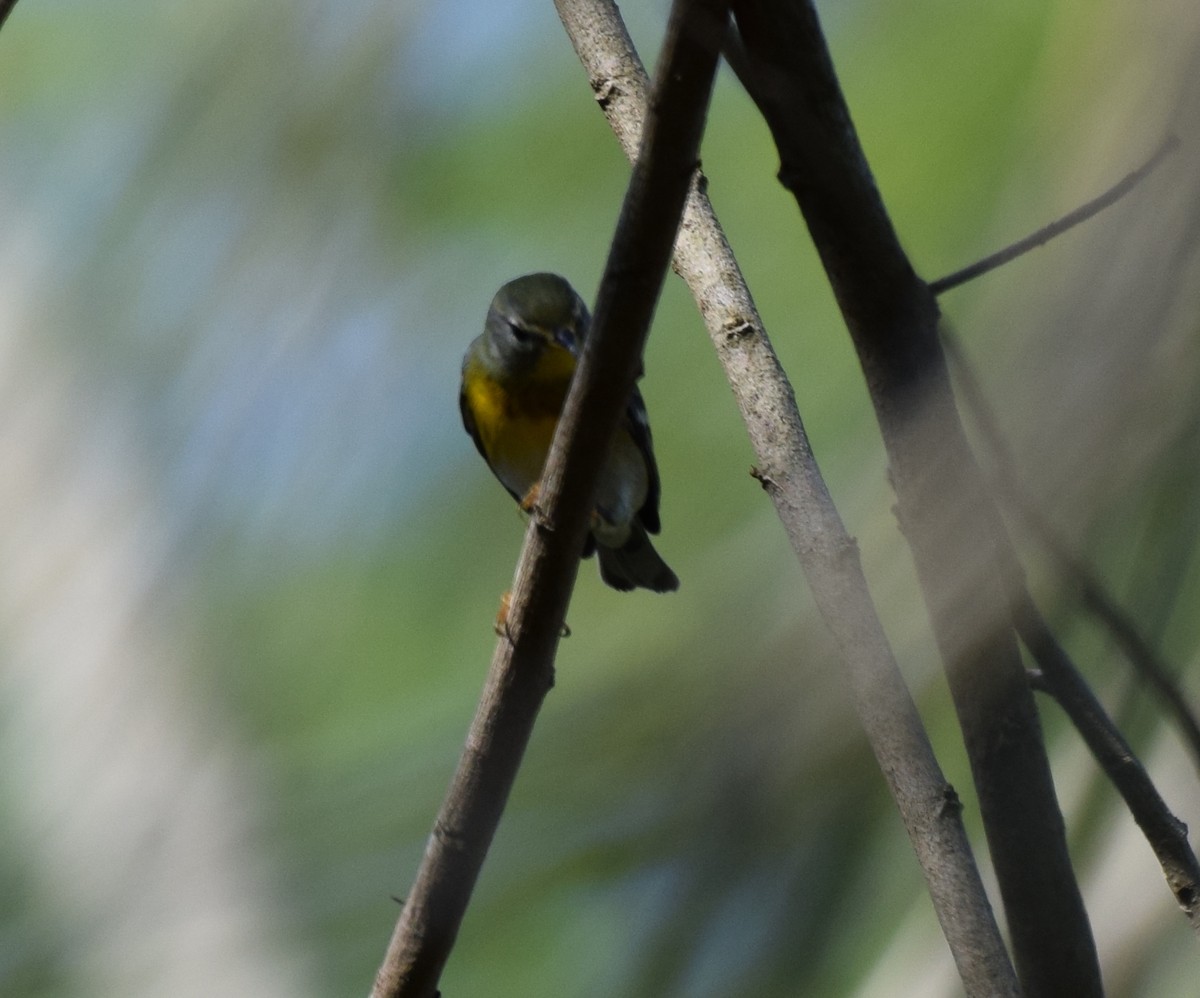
(1059, 677)
(1166, 834)
(1071, 567)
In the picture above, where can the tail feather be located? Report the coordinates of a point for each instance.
(635, 564)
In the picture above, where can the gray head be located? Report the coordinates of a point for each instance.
(531, 314)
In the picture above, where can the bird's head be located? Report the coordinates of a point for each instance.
(531, 316)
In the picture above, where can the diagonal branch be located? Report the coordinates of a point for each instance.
(949, 519)
(829, 557)
(522, 669)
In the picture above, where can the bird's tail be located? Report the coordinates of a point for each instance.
(636, 563)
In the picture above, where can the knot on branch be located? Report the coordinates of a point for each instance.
(950, 803)
(844, 552)
(766, 481)
(1187, 898)
(606, 91)
(448, 837)
(736, 332)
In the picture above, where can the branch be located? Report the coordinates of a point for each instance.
(1166, 834)
(950, 521)
(6, 7)
(1054, 229)
(828, 556)
(522, 668)
(1096, 596)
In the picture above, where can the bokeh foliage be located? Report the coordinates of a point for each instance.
(243, 250)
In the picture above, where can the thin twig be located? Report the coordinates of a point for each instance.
(522, 667)
(1095, 594)
(1054, 229)
(949, 519)
(1166, 834)
(788, 472)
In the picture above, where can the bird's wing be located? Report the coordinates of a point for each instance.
(638, 425)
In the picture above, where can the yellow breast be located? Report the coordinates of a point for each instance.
(516, 422)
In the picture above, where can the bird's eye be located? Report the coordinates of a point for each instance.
(521, 334)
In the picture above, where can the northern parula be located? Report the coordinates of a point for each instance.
(515, 377)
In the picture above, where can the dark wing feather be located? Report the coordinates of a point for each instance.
(638, 425)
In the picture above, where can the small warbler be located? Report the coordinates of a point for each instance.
(515, 377)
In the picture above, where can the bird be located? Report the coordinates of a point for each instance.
(515, 377)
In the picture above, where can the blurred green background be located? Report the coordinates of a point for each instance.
(249, 561)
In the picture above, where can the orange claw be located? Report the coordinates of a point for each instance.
(531, 497)
(501, 624)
